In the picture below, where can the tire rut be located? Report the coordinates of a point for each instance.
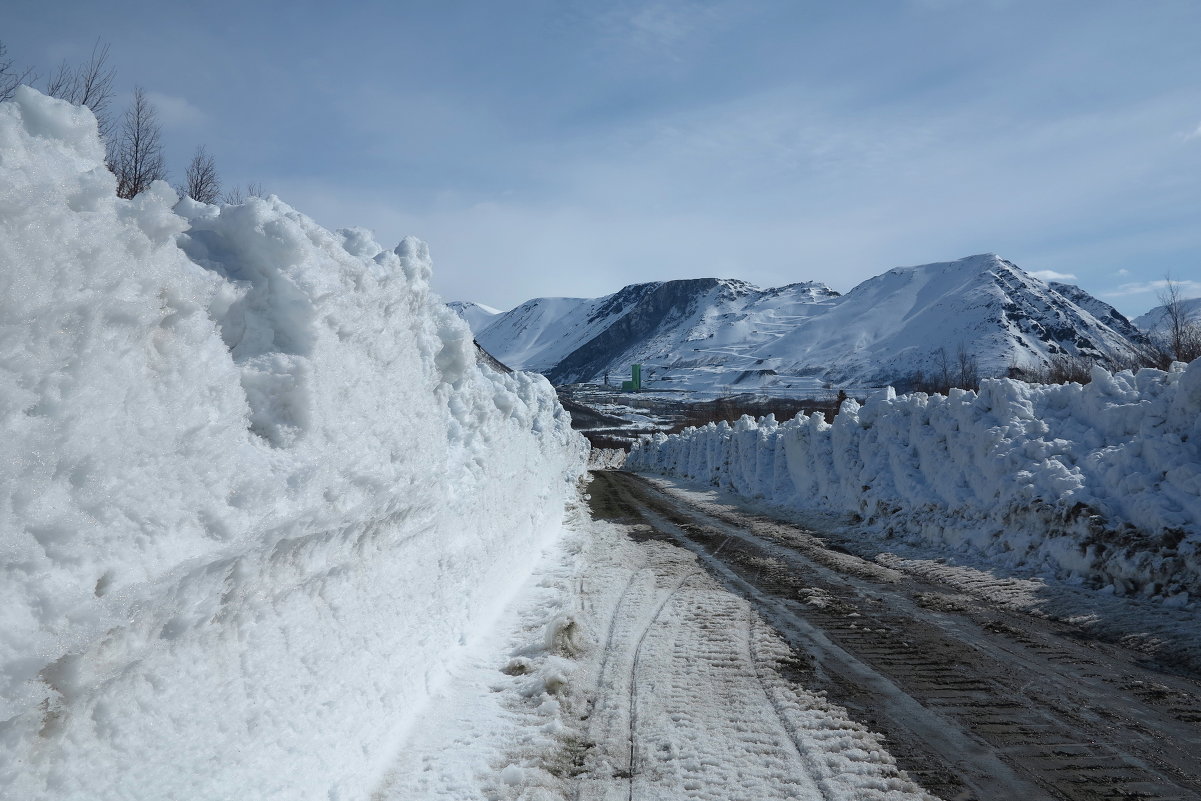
(1069, 719)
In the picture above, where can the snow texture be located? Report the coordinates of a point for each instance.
(255, 492)
(542, 710)
(1098, 483)
(606, 458)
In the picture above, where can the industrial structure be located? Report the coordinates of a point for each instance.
(635, 382)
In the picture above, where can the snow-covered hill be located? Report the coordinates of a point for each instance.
(715, 334)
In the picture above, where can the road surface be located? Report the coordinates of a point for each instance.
(973, 699)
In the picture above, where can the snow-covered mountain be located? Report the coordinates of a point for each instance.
(727, 335)
(476, 315)
(1155, 321)
(689, 324)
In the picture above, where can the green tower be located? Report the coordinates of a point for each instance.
(635, 382)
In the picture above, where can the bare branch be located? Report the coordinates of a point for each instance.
(90, 84)
(11, 77)
(237, 195)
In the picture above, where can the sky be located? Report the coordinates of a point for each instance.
(570, 148)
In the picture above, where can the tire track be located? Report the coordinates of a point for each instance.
(637, 661)
(714, 640)
(1069, 722)
(819, 773)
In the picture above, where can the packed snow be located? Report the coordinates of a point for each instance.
(256, 494)
(626, 671)
(1099, 483)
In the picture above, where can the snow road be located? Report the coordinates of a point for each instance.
(974, 699)
(675, 645)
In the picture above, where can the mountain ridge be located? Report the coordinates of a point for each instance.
(713, 334)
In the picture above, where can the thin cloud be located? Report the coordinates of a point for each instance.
(176, 113)
(1051, 275)
(1187, 288)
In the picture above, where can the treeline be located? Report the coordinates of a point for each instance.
(133, 141)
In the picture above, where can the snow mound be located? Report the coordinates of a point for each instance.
(255, 490)
(1098, 483)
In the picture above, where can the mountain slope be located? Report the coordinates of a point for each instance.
(582, 340)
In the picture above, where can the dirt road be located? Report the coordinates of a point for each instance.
(975, 700)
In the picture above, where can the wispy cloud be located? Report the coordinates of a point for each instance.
(663, 27)
(1051, 275)
(176, 113)
(1187, 288)
(1193, 134)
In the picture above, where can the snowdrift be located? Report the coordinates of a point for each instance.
(255, 493)
(1098, 483)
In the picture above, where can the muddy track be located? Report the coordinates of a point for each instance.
(975, 702)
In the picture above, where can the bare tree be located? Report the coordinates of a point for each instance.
(90, 84)
(238, 195)
(137, 158)
(201, 182)
(964, 373)
(10, 76)
(1182, 329)
(969, 369)
(944, 370)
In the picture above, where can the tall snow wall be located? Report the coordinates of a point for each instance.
(1099, 483)
(255, 492)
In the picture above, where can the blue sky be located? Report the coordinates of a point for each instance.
(570, 148)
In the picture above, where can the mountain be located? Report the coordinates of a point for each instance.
(659, 324)
(721, 335)
(476, 315)
(1155, 321)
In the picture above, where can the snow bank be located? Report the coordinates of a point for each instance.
(1099, 483)
(254, 489)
